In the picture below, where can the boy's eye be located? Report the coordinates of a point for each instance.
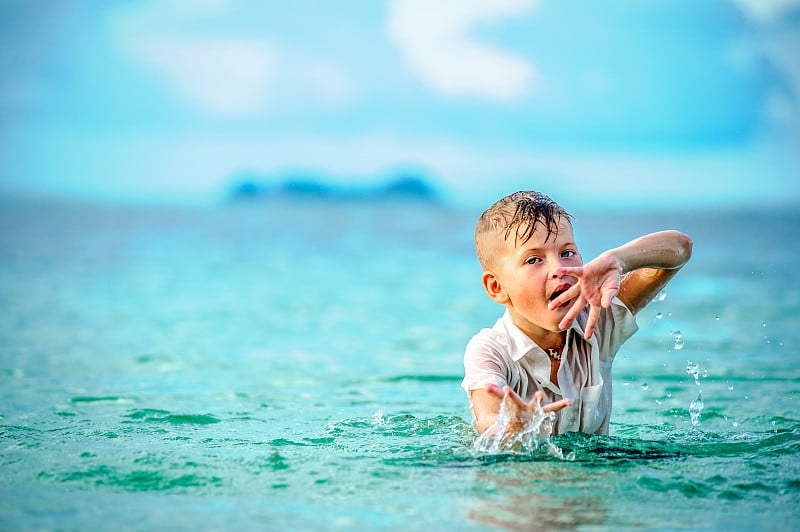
(532, 260)
(568, 253)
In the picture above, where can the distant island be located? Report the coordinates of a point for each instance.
(251, 186)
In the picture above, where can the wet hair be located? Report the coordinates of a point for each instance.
(519, 213)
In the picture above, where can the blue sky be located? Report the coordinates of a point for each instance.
(606, 103)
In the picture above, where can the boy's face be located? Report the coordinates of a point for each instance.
(525, 272)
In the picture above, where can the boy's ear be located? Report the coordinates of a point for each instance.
(493, 288)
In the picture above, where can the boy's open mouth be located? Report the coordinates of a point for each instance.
(560, 289)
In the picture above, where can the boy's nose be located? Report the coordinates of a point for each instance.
(555, 265)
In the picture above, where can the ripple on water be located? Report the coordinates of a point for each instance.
(136, 480)
(399, 425)
(103, 399)
(164, 416)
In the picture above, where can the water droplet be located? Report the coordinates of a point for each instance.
(669, 396)
(626, 384)
(716, 318)
(661, 296)
(659, 315)
(678, 343)
(695, 408)
(730, 386)
(693, 370)
(658, 402)
(645, 386)
(735, 423)
(705, 373)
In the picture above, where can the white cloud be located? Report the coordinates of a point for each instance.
(227, 76)
(774, 42)
(434, 40)
(766, 11)
(227, 73)
(783, 105)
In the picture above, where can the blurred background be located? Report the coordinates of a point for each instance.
(603, 104)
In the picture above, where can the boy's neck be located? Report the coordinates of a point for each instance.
(553, 346)
(547, 340)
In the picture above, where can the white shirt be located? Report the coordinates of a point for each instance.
(504, 355)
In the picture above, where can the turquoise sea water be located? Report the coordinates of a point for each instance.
(297, 364)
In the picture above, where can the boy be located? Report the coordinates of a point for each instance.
(564, 321)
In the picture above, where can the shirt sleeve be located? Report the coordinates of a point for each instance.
(484, 362)
(615, 326)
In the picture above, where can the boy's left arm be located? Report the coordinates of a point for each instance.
(635, 271)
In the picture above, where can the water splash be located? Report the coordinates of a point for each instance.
(693, 370)
(678, 339)
(696, 406)
(660, 297)
(534, 435)
(378, 419)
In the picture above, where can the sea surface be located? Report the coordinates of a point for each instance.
(296, 364)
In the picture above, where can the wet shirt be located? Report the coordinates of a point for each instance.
(504, 355)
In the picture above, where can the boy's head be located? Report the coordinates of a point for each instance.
(519, 215)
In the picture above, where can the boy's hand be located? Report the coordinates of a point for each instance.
(598, 282)
(521, 411)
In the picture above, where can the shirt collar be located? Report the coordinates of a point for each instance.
(520, 344)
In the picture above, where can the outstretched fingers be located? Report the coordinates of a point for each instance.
(495, 390)
(568, 294)
(538, 397)
(594, 313)
(608, 295)
(556, 406)
(573, 312)
(511, 395)
(507, 394)
(577, 271)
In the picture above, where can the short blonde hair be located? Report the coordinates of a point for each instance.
(519, 213)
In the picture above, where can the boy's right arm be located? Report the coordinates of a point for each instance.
(485, 407)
